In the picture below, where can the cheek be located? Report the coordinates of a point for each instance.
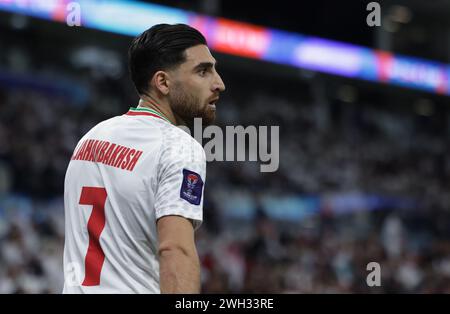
(200, 91)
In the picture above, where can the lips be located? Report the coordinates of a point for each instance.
(212, 103)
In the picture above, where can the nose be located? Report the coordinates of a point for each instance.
(218, 84)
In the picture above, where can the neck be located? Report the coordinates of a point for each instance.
(161, 106)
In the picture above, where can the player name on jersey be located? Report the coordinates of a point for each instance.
(110, 154)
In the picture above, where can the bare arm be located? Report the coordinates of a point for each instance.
(179, 266)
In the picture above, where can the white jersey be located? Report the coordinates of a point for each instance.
(124, 174)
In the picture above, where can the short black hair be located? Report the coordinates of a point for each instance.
(161, 47)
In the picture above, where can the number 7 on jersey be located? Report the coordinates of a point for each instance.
(95, 196)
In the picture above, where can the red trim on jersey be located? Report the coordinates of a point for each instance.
(134, 113)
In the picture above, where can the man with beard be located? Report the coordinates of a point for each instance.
(134, 185)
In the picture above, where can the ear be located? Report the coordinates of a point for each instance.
(161, 82)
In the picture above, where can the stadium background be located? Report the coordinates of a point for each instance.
(364, 168)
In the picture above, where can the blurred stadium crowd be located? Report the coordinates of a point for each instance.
(329, 147)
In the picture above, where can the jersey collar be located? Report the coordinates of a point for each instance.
(146, 112)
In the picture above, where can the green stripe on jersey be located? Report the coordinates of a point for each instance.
(159, 114)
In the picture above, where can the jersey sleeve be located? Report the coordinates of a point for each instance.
(181, 179)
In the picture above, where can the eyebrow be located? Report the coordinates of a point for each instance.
(205, 65)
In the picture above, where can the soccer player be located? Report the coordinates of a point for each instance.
(133, 188)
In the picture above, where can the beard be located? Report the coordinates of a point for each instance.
(187, 106)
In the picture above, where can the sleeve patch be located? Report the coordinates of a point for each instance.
(192, 187)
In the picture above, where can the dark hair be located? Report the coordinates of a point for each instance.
(161, 47)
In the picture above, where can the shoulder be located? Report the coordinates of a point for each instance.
(178, 144)
(102, 125)
(179, 151)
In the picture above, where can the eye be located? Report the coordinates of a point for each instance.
(202, 72)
